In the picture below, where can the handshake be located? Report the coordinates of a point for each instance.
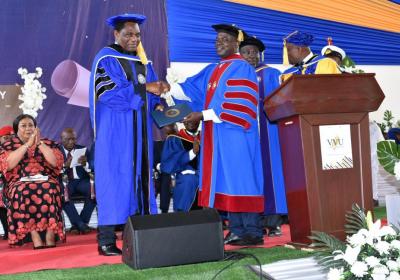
(158, 87)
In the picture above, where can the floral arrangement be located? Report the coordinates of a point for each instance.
(32, 92)
(370, 251)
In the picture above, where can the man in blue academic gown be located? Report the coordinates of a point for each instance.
(120, 112)
(274, 186)
(297, 53)
(225, 96)
(180, 157)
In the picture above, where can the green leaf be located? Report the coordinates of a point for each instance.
(388, 155)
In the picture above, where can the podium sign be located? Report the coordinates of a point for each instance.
(336, 152)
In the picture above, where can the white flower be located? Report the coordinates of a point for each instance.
(397, 170)
(382, 247)
(372, 261)
(32, 92)
(380, 272)
(359, 269)
(335, 274)
(393, 276)
(357, 239)
(387, 230)
(350, 255)
(392, 265)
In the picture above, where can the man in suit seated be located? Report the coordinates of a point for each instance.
(76, 170)
(179, 157)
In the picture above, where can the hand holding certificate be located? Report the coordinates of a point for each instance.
(171, 114)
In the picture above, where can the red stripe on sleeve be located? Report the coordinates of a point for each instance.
(242, 83)
(234, 120)
(241, 95)
(239, 108)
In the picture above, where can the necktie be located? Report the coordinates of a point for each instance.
(70, 172)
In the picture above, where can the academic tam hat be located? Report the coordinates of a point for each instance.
(139, 19)
(231, 29)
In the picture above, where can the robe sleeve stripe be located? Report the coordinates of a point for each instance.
(104, 88)
(241, 95)
(101, 70)
(101, 79)
(234, 120)
(105, 83)
(242, 83)
(239, 108)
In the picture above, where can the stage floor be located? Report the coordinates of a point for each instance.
(80, 251)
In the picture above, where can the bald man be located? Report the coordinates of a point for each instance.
(76, 169)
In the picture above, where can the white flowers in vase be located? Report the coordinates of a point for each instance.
(371, 253)
(32, 92)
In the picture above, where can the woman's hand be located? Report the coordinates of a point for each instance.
(32, 139)
(37, 136)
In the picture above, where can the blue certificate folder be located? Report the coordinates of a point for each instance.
(171, 114)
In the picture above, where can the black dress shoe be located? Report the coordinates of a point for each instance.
(275, 232)
(74, 230)
(248, 241)
(109, 250)
(84, 229)
(231, 238)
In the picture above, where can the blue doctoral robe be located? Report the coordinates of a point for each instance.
(274, 183)
(175, 159)
(230, 167)
(113, 101)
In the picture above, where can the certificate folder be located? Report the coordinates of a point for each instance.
(171, 114)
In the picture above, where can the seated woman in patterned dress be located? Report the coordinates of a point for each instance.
(31, 166)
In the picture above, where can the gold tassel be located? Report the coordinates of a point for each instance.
(285, 54)
(142, 54)
(240, 36)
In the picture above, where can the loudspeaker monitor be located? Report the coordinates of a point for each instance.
(173, 239)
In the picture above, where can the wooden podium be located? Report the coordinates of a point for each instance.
(318, 197)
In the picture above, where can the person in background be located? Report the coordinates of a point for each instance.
(375, 136)
(78, 179)
(120, 107)
(297, 52)
(225, 96)
(163, 180)
(251, 49)
(31, 167)
(333, 52)
(394, 134)
(6, 133)
(180, 157)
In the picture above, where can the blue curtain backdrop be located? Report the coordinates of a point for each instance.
(191, 38)
(43, 33)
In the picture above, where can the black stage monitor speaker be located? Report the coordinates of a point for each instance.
(173, 239)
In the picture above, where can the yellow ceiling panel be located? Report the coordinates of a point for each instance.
(377, 14)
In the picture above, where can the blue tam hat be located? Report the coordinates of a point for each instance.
(299, 38)
(139, 19)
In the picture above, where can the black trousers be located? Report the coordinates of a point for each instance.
(3, 218)
(106, 235)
